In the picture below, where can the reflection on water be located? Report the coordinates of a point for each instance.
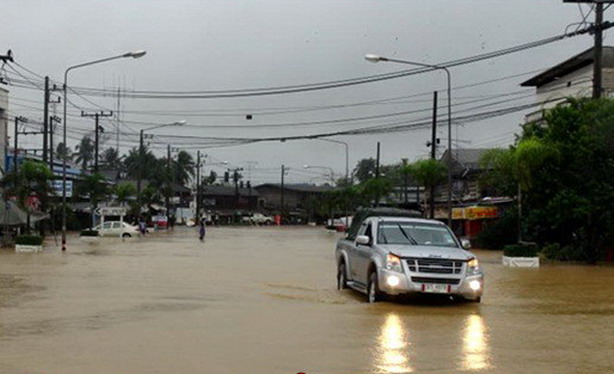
(392, 353)
(475, 344)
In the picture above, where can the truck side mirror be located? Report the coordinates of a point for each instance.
(363, 240)
(466, 243)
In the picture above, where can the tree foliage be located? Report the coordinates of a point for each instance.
(564, 166)
(31, 180)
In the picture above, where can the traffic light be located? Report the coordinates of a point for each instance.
(226, 177)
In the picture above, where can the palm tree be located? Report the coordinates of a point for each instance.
(184, 167)
(429, 173)
(111, 158)
(96, 188)
(85, 152)
(123, 192)
(62, 152)
(30, 181)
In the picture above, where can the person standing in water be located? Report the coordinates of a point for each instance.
(201, 230)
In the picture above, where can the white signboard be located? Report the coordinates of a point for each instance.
(111, 211)
(56, 185)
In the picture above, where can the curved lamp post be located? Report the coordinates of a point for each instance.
(332, 173)
(376, 58)
(347, 156)
(135, 54)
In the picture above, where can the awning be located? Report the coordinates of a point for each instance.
(12, 215)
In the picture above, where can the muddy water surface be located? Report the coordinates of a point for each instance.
(263, 300)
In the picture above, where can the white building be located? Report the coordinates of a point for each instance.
(571, 78)
(4, 113)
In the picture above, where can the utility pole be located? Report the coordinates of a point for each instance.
(170, 179)
(197, 186)
(45, 119)
(598, 43)
(51, 131)
(16, 146)
(377, 162)
(597, 84)
(235, 178)
(96, 116)
(433, 155)
(281, 202)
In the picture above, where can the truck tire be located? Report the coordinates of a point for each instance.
(373, 293)
(341, 277)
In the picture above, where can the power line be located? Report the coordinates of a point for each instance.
(235, 93)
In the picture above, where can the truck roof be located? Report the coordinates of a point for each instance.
(363, 214)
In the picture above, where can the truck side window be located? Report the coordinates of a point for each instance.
(368, 233)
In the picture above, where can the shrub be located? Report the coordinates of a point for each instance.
(520, 250)
(554, 251)
(29, 240)
(89, 233)
(499, 233)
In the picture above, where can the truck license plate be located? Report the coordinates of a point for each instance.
(435, 288)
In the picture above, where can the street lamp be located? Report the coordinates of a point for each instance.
(347, 154)
(135, 54)
(141, 155)
(376, 58)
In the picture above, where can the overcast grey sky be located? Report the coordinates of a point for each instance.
(222, 45)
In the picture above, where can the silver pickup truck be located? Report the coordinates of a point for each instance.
(400, 255)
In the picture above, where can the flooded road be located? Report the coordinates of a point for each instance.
(263, 300)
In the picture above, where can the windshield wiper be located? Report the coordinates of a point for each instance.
(408, 237)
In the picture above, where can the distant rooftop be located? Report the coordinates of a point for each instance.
(569, 66)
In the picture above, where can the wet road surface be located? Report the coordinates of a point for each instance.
(263, 300)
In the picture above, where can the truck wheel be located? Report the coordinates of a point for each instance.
(341, 277)
(373, 293)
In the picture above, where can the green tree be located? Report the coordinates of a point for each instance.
(365, 169)
(63, 153)
(111, 158)
(84, 152)
(428, 173)
(563, 167)
(30, 181)
(123, 193)
(183, 167)
(373, 190)
(94, 187)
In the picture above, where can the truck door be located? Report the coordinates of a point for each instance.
(363, 254)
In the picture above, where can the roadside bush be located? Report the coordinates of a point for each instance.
(29, 240)
(89, 233)
(520, 250)
(500, 233)
(554, 251)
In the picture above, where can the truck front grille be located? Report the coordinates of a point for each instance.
(435, 280)
(435, 265)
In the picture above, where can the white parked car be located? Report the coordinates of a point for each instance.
(258, 219)
(117, 228)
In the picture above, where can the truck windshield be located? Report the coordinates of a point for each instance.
(415, 233)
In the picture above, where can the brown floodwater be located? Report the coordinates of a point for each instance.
(263, 300)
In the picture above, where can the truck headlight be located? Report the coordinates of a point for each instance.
(473, 266)
(393, 263)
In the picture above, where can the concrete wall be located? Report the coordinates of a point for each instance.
(4, 112)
